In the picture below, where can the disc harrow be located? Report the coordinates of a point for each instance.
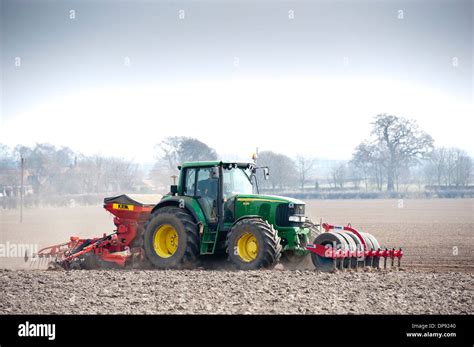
(343, 247)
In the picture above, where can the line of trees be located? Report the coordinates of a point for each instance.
(398, 153)
(49, 170)
(449, 167)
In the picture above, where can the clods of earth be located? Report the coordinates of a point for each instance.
(235, 292)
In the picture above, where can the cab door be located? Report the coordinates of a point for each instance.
(202, 184)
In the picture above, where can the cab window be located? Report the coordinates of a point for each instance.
(189, 184)
(237, 181)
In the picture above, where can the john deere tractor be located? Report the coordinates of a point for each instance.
(214, 209)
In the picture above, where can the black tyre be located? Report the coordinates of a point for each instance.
(332, 240)
(252, 243)
(171, 239)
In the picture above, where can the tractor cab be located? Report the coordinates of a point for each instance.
(215, 186)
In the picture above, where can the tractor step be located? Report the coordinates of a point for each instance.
(208, 242)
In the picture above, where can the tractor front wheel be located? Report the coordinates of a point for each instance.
(252, 244)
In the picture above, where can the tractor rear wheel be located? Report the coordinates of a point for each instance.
(171, 239)
(252, 243)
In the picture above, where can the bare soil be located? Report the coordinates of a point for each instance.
(238, 292)
(437, 269)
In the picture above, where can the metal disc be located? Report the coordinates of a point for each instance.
(334, 240)
(359, 247)
(376, 246)
(368, 243)
(351, 247)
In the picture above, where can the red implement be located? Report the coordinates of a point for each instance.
(118, 247)
(346, 247)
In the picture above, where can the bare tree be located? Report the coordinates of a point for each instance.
(355, 175)
(449, 167)
(437, 164)
(282, 170)
(399, 143)
(462, 168)
(46, 165)
(7, 158)
(369, 160)
(338, 175)
(305, 168)
(178, 149)
(363, 160)
(9, 174)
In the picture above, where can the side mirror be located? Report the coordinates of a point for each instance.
(215, 172)
(174, 189)
(266, 173)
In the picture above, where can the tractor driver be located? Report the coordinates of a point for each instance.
(208, 193)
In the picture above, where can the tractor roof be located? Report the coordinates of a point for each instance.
(214, 163)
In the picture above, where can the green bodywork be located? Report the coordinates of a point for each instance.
(293, 237)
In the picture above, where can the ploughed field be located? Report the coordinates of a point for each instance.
(239, 292)
(437, 274)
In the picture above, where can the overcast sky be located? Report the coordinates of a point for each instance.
(298, 77)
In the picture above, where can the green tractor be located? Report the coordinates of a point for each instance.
(215, 209)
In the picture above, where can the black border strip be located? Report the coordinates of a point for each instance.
(225, 329)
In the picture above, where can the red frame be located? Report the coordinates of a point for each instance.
(329, 252)
(114, 247)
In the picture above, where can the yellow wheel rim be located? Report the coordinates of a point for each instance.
(165, 241)
(247, 247)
